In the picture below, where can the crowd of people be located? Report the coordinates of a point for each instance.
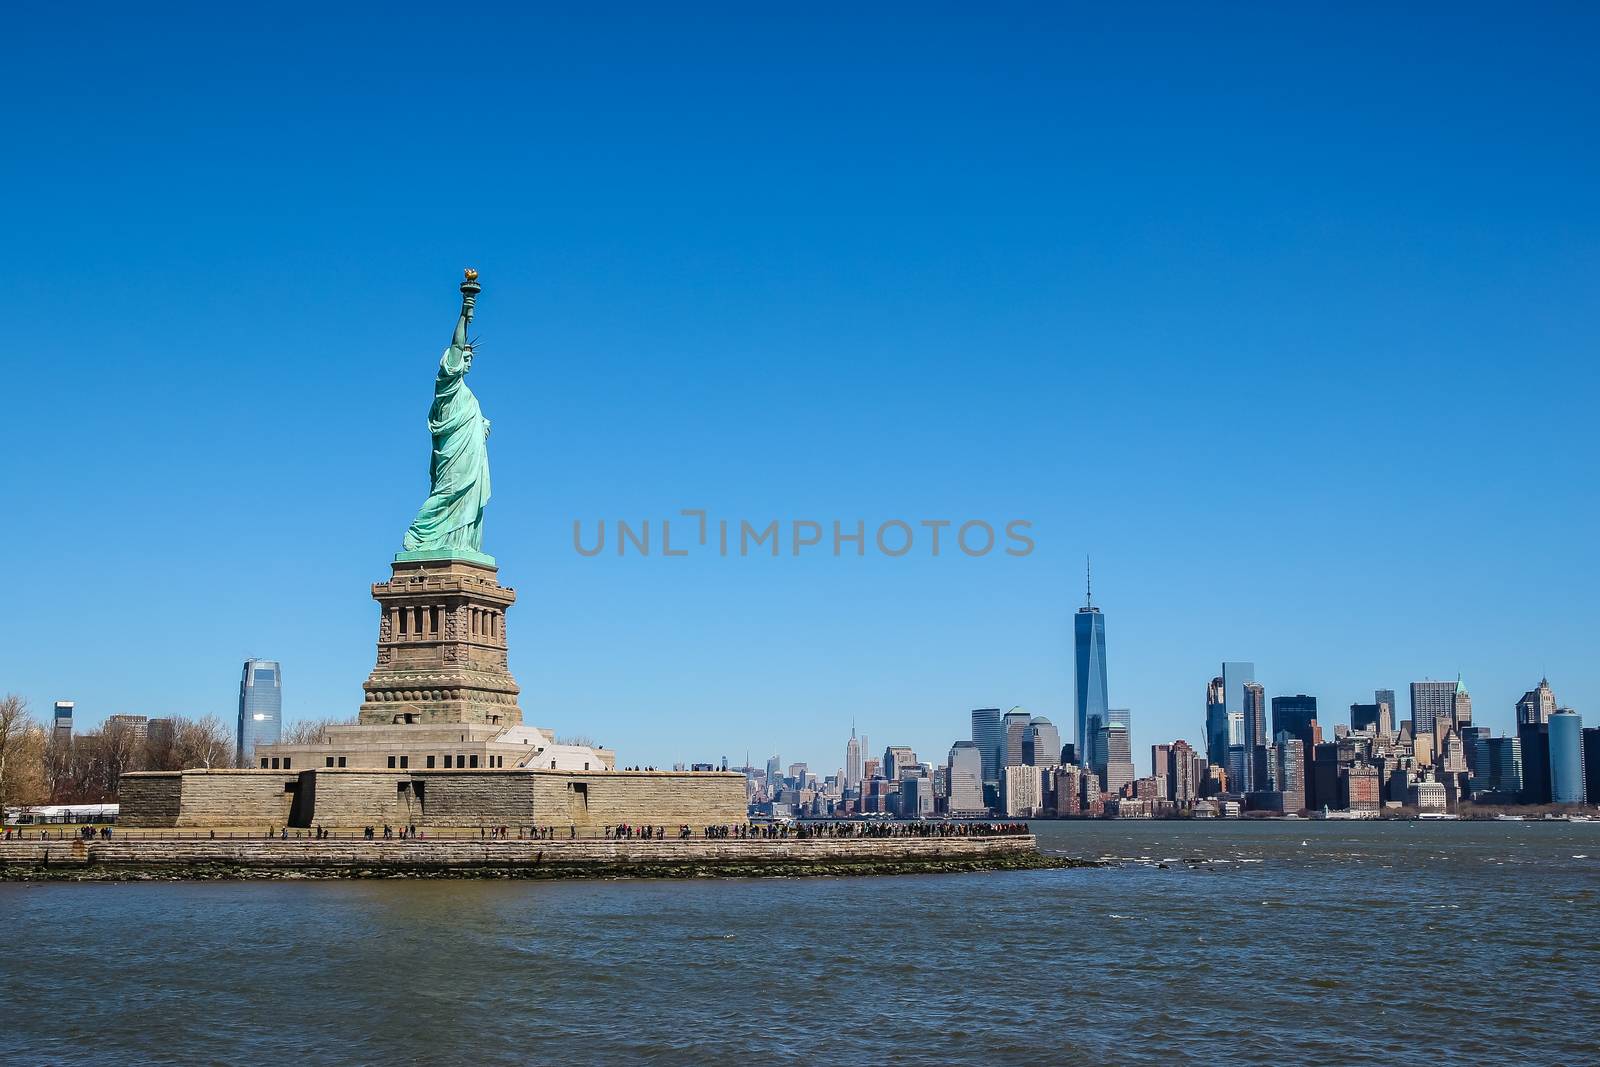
(868, 829)
(911, 829)
(630, 832)
(828, 829)
(88, 833)
(647, 833)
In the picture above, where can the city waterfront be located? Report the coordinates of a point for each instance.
(1256, 942)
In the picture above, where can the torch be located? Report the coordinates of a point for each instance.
(469, 292)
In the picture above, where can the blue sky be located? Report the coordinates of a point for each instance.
(1285, 314)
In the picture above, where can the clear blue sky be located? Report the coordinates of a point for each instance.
(1285, 313)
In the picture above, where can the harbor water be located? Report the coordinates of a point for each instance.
(1224, 942)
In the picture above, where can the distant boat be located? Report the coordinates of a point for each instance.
(1434, 816)
(1503, 817)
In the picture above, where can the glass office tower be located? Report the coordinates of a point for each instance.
(1566, 757)
(260, 709)
(1089, 642)
(1235, 676)
(990, 738)
(1216, 723)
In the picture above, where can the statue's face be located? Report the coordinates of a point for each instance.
(466, 359)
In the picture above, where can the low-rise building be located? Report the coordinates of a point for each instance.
(1429, 796)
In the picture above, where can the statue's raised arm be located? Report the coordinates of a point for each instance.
(450, 522)
(469, 300)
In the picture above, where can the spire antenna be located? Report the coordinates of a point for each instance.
(1088, 584)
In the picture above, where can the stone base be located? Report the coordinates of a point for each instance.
(441, 645)
(434, 746)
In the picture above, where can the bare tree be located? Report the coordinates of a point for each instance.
(120, 750)
(21, 754)
(202, 742)
(58, 768)
(580, 740)
(161, 745)
(312, 731)
(81, 773)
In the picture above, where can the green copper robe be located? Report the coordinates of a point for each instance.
(452, 516)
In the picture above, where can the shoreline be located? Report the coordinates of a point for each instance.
(248, 859)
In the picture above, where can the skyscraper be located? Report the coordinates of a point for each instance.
(1041, 745)
(1235, 676)
(1366, 717)
(1431, 701)
(1183, 779)
(1119, 757)
(1296, 717)
(897, 759)
(1591, 763)
(966, 779)
(137, 725)
(852, 761)
(1216, 722)
(1386, 696)
(1255, 736)
(1236, 752)
(1463, 706)
(1020, 792)
(1475, 743)
(1566, 757)
(1289, 771)
(1098, 755)
(1534, 744)
(1505, 766)
(1015, 725)
(260, 708)
(916, 797)
(990, 738)
(1537, 704)
(1089, 641)
(61, 726)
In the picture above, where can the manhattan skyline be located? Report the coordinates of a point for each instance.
(1293, 363)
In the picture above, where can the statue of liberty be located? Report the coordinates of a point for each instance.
(450, 522)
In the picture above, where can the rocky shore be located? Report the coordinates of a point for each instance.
(271, 858)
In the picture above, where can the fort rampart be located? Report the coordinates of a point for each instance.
(587, 801)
